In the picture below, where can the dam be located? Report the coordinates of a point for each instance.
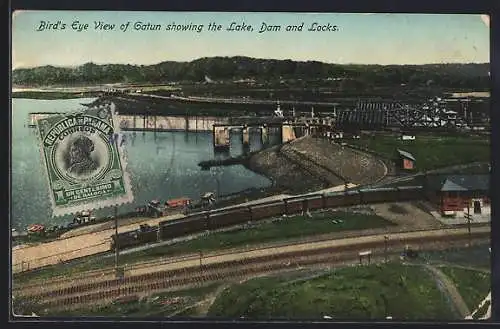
(221, 127)
(169, 123)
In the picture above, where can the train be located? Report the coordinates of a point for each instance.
(221, 218)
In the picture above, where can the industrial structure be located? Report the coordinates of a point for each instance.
(374, 115)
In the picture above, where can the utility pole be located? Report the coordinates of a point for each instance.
(218, 185)
(386, 240)
(468, 223)
(117, 247)
(117, 240)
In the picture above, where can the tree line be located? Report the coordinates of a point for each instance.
(232, 68)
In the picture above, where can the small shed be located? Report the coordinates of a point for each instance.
(405, 160)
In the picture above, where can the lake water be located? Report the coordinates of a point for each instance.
(161, 165)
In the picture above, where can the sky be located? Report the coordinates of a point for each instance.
(361, 38)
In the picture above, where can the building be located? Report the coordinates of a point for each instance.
(458, 195)
(405, 160)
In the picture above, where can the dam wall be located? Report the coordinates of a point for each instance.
(169, 123)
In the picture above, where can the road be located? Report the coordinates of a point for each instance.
(65, 249)
(451, 290)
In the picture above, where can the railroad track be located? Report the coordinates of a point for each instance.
(109, 273)
(188, 273)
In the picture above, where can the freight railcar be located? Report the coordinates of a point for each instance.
(342, 199)
(295, 205)
(181, 227)
(268, 210)
(409, 193)
(315, 202)
(389, 194)
(229, 217)
(334, 199)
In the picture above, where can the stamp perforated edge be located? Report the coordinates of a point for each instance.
(59, 211)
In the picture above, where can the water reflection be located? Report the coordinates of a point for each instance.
(162, 165)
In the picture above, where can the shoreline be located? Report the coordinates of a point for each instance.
(53, 95)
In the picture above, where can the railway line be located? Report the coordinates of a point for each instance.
(195, 271)
(176, 226)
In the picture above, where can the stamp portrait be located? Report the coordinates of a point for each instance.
(84, 164)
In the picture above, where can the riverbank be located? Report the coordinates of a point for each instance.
(53, 95)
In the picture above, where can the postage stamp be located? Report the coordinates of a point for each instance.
(84, 159)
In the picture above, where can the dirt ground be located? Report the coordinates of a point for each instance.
(407, 215)
(65, 249)
(107, 226)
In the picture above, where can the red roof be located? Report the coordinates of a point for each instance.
(178, 202)
(36, 228)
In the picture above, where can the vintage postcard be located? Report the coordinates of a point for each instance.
(258, 166)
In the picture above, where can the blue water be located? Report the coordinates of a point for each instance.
(161, 165)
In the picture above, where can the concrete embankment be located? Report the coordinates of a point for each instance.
(285, 174)
(309, 163)
(170, 123)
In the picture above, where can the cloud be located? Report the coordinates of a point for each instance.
(486, 20)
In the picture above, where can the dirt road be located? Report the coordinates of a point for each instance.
(69, 248)
(451, 290)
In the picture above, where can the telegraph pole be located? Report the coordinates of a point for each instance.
(116, 240)
(468, 224)
(386, 240)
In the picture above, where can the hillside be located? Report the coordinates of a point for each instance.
(458, 76)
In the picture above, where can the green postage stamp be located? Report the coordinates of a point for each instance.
(84, 160)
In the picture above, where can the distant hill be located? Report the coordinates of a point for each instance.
(231, 68)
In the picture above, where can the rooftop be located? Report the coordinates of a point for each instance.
(457, 183)
(407, 155)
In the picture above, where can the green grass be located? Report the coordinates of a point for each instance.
(472, 285)
(476, 256)
(35, 239)
(432, 152)
(154, 305)
(286, 229)
(357, 293)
